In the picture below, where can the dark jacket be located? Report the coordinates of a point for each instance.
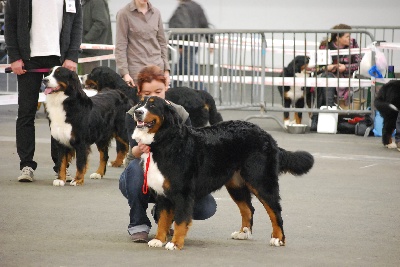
(18, 19)
(189, 14)
(96, 26)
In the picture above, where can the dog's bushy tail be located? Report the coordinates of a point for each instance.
(296, 163)
(385, 107)
(214, 115)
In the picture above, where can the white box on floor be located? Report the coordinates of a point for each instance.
(327, 122)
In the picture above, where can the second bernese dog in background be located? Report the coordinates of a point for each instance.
(78, 121)
(199, 104)
(387, 102)
(187, 163)
(294, 95)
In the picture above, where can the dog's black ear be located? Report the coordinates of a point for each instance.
(74, 80)
(290, 69)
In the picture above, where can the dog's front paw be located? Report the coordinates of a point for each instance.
(95, 176)
(58, 182)
(170, 246)
(275, 242)
(115, 163)
(242, 235)
(155, 243)
(391, 145)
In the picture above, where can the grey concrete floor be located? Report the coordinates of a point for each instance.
(345, 212)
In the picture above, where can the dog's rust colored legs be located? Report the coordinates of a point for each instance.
(80, 176)
(277, 236)
(81, 165)
(297, 118)
(122, 149)
(103, 163)
(241, 195)
(273, 209)
(180, 233)
(164, 222)
(62, 173)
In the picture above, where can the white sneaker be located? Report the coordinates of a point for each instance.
(26, 175)
(67, 176)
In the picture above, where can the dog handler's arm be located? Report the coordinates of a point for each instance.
(69, 64)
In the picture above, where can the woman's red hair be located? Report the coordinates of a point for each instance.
(148, 74)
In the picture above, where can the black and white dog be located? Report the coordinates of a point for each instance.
(186, 163)
(78, 121)
(294, 95)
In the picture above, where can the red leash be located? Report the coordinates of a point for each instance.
(43, 70)
(145, 187)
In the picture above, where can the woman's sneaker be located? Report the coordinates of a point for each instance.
(26, 175)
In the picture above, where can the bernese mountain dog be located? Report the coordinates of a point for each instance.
(294, 95)
(198, 103)
(387, 102)
(186, 163)
(78, 121)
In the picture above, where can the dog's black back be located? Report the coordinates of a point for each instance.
(104, 77)
(199, 104)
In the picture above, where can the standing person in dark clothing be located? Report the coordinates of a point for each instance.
(96, 30)
(189, 14)
(32, 44)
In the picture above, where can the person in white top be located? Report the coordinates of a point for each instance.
(39, 35)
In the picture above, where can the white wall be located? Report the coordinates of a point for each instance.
(286, 14)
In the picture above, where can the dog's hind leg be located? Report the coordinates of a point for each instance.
(271, 204)
(101, 170)
(122, 149)
(242, 197)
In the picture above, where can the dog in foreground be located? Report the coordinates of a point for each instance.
(199, 104)
(387, 102)
(294, 95)
(188, 163)
(78, 121)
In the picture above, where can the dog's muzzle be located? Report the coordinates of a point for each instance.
(139, 116)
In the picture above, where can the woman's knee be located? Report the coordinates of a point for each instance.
(131, 180)
(204, 208)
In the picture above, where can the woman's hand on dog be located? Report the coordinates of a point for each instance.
(69, 64)
(128, 79)
(138, 150)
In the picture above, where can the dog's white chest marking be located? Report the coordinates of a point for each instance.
(141, 135)
(59, 129)
(155, 179)
(296, 92)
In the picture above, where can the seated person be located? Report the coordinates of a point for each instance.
(151, 81)
(343, 66)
